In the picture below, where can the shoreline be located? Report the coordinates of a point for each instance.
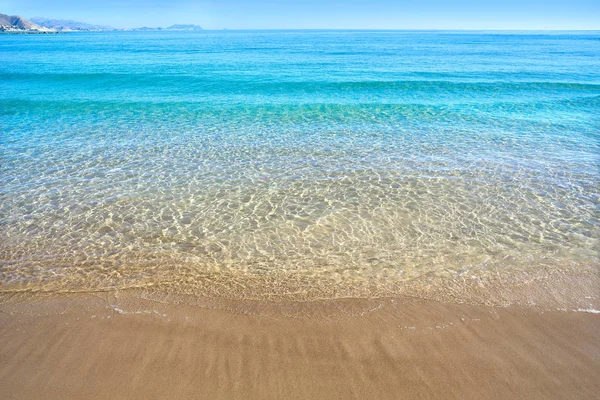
(120, 345)
(542, 288)
(25, 32)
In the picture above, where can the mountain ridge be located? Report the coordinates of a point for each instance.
(69, 25)
(176, 27)
(18, 24)
(185, 27)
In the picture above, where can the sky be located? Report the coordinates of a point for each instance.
(320, 14)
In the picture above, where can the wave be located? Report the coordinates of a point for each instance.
(265, 83)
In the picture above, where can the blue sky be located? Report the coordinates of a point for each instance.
(321, 14)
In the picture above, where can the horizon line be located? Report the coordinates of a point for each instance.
(357, 29)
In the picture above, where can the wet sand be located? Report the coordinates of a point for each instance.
(111, 345)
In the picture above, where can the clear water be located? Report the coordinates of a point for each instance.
(308, 164)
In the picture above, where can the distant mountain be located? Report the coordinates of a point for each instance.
(17, 24)
(145, 28)
(183, 27)
(177, 27)
(69, 25)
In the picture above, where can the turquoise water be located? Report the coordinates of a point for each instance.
(304, 164)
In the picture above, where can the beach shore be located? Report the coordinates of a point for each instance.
(120, 345)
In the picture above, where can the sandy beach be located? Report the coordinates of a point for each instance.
(297, 213)
(119, 345)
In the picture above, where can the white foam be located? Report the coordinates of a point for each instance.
(121, 311)
(588, 310)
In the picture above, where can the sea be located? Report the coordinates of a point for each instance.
(302, 165)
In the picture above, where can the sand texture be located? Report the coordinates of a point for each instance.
(120, 347)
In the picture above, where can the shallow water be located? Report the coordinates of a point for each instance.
(308, 164)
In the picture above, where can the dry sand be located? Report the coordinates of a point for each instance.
(114, 345)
